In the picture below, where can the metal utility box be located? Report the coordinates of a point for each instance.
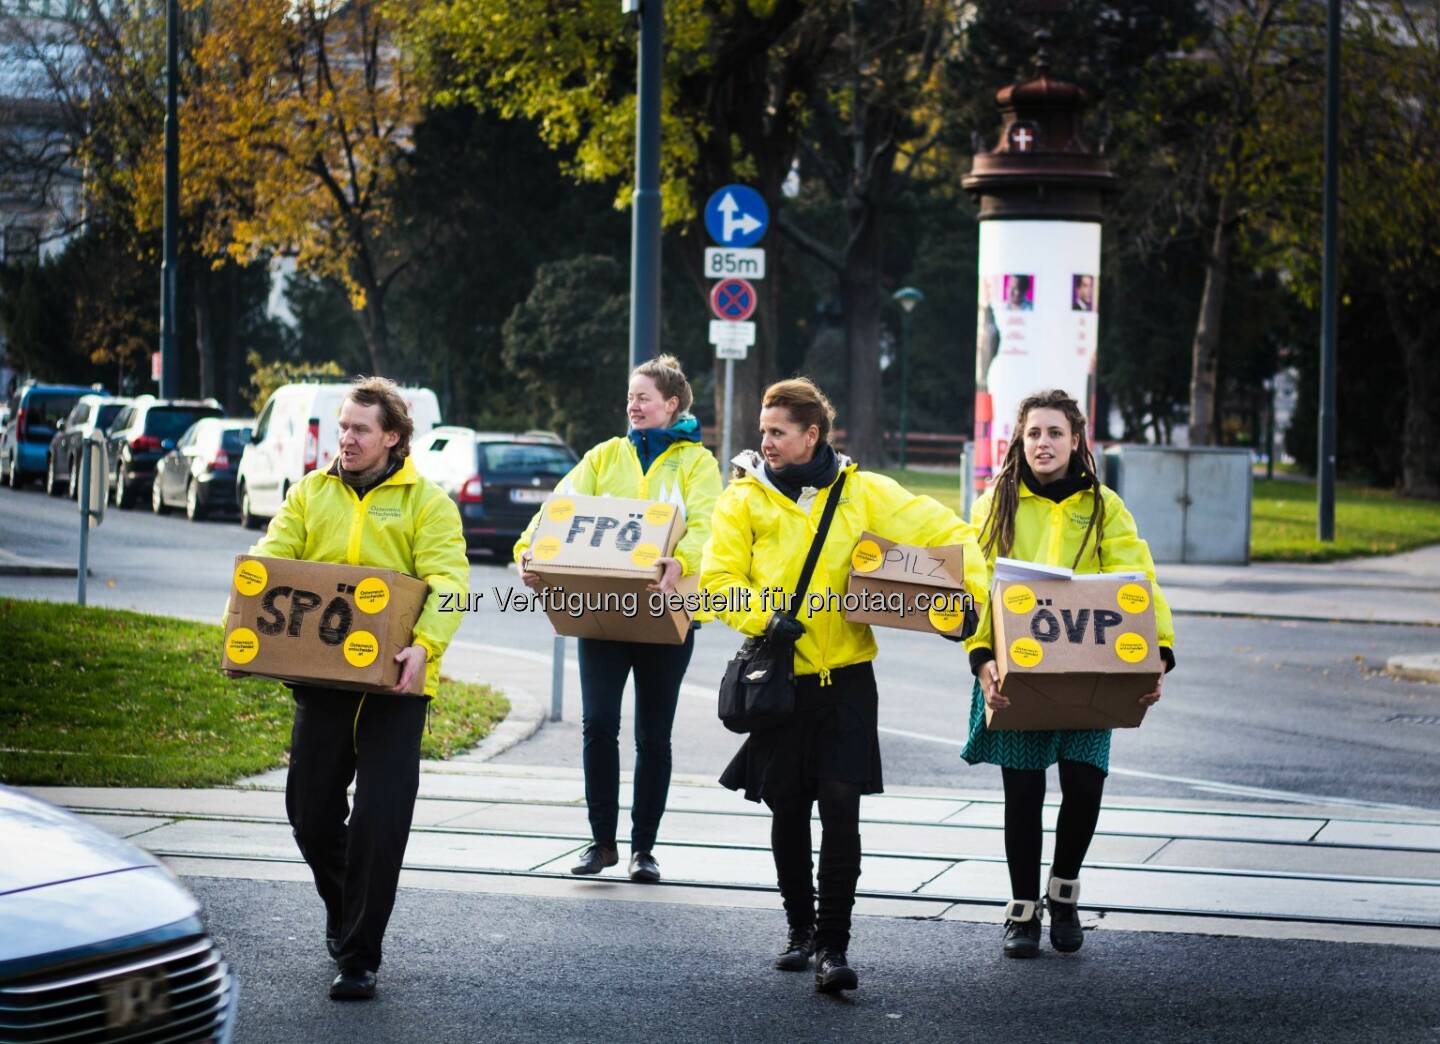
(1192, 504)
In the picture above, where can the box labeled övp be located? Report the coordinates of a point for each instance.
(907, 587)
(597, 558)
(317, 623)
(1074, 653)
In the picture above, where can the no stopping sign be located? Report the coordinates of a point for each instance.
(733, 299)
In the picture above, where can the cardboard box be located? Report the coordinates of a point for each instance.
(317, 623)
(1074, 653)
(886, 578)
(597, 558)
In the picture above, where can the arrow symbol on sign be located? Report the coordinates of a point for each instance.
(744, 224)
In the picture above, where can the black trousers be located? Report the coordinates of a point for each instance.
(373, 739)
(839, 860)
(659, 670)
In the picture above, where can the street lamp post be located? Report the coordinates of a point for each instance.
(907, 297)
(645, 219)
(169, 263)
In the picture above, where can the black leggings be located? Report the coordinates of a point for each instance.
(1082, 786)
(839, 859)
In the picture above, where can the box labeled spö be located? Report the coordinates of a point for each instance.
(317, 623)
(1074, 653)
(907, 587)
(597, 558)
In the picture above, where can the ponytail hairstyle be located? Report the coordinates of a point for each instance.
(997, 535)
(669, 380)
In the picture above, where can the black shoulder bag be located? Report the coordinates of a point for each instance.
(758, 690)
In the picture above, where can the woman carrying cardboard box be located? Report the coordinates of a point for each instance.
(1047, 505)
(661, 458)
(828, 748)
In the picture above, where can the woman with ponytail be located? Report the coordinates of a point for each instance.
(661, 458)
(1047, 505)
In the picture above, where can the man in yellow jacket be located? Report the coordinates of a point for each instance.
(371, 508)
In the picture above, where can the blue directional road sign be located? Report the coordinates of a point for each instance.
(736, 216)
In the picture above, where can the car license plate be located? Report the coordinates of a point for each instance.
(528, 496)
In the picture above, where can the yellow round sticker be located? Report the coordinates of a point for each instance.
(361, 648)
(242, 645)
(371, 595)
(1131, 647)
(560, 509)
(546, 548)
(645, 555)
(866, 557)
(1133, 598)
(1026, 652)
(250, 577)
(1019, 599)
(948, 612)
(659, 514)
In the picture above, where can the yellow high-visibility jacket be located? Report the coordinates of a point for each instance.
(685, 475)
(406, 523)
(759, 539)
(1050, 533)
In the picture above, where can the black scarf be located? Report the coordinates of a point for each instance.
(819, 471)
(1075, 479)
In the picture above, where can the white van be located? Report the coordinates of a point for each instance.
(298, 431)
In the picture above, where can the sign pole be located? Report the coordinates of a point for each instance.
(1329, 279)
(725, 443)
(645, 220)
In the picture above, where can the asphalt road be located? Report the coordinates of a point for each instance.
(467, 967)
(1254, 706)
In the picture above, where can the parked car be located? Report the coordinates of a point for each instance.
(497, 480)
(93, 412)
(297, 431)
(36, 412)
(143, 433)
(101, 942)
(199, 473)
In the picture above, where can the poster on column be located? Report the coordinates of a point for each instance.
(1039, 310)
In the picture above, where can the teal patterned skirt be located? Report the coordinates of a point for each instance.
(1032, 750)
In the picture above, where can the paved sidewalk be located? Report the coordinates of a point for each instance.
(1402, 589)
(1215, 867)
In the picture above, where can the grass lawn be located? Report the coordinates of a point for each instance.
(1282, 526)
(100, 697)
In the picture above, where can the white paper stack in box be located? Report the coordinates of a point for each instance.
(1073, 651)
(884, 574)
(599, 546)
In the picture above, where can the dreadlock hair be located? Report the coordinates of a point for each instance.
(997, 535)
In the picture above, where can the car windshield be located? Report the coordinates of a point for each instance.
(108, 412)
(45, 412)
(527, 458)
(170, 422)
(233, 440)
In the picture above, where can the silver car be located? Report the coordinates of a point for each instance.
(98, 941)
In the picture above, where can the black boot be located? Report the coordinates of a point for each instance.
(794, 873)
(833, 973)
(839, 870)
(1022, 929)
(1066, 935)
(799, 945)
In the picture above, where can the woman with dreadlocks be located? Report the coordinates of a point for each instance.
(1047, 505)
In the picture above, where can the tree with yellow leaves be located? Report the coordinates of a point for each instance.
(293, 130)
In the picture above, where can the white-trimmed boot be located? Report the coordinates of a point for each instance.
(1022, 929)
(1066, 935)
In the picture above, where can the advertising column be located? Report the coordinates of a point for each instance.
(1039, 192)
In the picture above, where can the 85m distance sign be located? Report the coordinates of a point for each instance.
(723, 262)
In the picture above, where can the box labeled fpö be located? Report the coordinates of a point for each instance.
(597, 558)
(906, 587)
(1074, 653)
(317, 623)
